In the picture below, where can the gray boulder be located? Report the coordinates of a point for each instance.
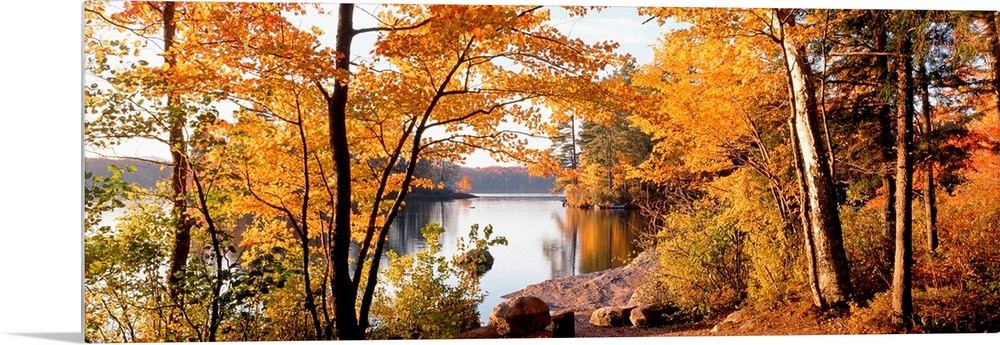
(652, 291)
(519, 316)
(731, 321)
(650, 315)
(611, 316)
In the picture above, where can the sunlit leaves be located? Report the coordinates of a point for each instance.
(444, 81)
(709, 94)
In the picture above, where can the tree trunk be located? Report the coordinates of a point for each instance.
(993, 29)
(930, 204)
(179, 174)
(886, 143)
(572, 136)
(822, 219)
(215, 314)
(345, 295)
(369, 293)
(902, 299)
(807, 235)
(303, 231)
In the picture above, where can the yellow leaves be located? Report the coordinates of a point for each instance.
(316, 31)
(709, 91)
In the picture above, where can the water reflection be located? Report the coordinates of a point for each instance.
(546, 239)
(405, 237)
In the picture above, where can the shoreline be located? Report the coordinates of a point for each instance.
(610, 287)
(437, 195)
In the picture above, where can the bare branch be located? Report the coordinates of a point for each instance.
(401, 28)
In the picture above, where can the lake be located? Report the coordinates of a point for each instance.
(546, 239)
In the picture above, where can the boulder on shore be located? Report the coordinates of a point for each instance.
(564, 325)
(596, 289)
(611, 316)
(650, 315)
(519, 316)
(730, 322)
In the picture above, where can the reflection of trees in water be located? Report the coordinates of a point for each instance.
(605, 239)
(561, 251)
(586, 241)
(597, 239)
(405, 237)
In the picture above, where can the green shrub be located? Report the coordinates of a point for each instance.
(771, 252)
(702, 259)
(425, 294)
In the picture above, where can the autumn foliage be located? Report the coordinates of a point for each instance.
(763, 143)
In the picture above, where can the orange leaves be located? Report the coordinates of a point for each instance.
(710, 91)
(459, 77)
(471, 68)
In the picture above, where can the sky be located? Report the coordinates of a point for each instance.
(621, 24)
(41, 133)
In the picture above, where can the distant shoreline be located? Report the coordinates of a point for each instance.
(437, 195)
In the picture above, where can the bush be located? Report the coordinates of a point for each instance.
(771, 250)
(869, 250)
(955, 290)
(873, 317)
(702, 260)
(425, 294)
(950, 309)
(958, 289)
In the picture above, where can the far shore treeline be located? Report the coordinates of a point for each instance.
(491, 179)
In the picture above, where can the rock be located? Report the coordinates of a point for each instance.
(483, 262)
(652, 291)
(563, 325)
(611, 316)
(594, 290)
(479, 333)
(650, 315)
(519, 316)
(730, 321)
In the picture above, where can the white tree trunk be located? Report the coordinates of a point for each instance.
(821, 219)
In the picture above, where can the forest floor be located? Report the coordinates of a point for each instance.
(797, 318)
(582, 294)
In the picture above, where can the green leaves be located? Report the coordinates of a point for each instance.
(105, 193)
(426, 295)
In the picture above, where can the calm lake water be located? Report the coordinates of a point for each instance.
(546, 239)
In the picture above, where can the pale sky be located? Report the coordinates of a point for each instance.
(620, 24)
